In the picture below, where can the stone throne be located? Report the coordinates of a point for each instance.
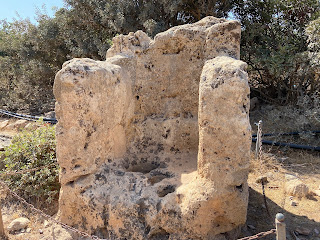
(154, 142)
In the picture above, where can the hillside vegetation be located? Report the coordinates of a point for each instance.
(280, 43)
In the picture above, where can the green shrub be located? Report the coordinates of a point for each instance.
(33, 149)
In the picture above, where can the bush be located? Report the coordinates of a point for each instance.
(32, 149)
(275, 46)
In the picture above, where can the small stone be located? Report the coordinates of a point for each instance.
(261, 179)
(293, 203)
(251, 227)
(296, 188)
(51, 114)
(23, 230)
(28, 230)
(40, 231)
(303, 231)
(316, 231)
(18, 224)
(46, 224)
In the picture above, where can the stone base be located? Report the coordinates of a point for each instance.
(167, 200)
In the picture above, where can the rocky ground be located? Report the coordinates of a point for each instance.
(292, 187)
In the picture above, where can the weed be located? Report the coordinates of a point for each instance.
(28, 150)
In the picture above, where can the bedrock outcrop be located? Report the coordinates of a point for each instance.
(154, 142)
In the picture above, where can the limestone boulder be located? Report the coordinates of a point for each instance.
(154, 142)
(297, 188)
(18, 224)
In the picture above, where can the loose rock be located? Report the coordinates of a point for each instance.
(46, 223)
(51, 114)
(18, 224)
(303, 231)
(251, 227)
(293, 203)
(296, 188)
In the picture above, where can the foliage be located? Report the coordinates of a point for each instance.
(282, 66)
(90, 24)
(274, 45)
(33, 149)
(29, 58)
(31, 55)
(313, 33)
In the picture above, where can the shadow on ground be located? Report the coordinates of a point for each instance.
(259, 220)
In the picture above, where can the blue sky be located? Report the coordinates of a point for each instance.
(26, 8)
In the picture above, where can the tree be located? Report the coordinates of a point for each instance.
(89, 25)
(274, 45)
(30, 57)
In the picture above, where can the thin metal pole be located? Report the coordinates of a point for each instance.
(259, 142)
(2, 233)
(280, 227)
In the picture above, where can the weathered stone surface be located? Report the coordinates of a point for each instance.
(18, 224)
(303, 230)
(50, 114)
(59, 233)
(17, 125)
(296, 188)
(5, 141)
(143, 155)
(3, 123)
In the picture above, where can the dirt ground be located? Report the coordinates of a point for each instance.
(275, 163)
(306, 213)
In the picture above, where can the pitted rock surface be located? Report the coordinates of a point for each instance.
(154, 142)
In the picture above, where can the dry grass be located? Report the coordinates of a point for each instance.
(278, 161)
